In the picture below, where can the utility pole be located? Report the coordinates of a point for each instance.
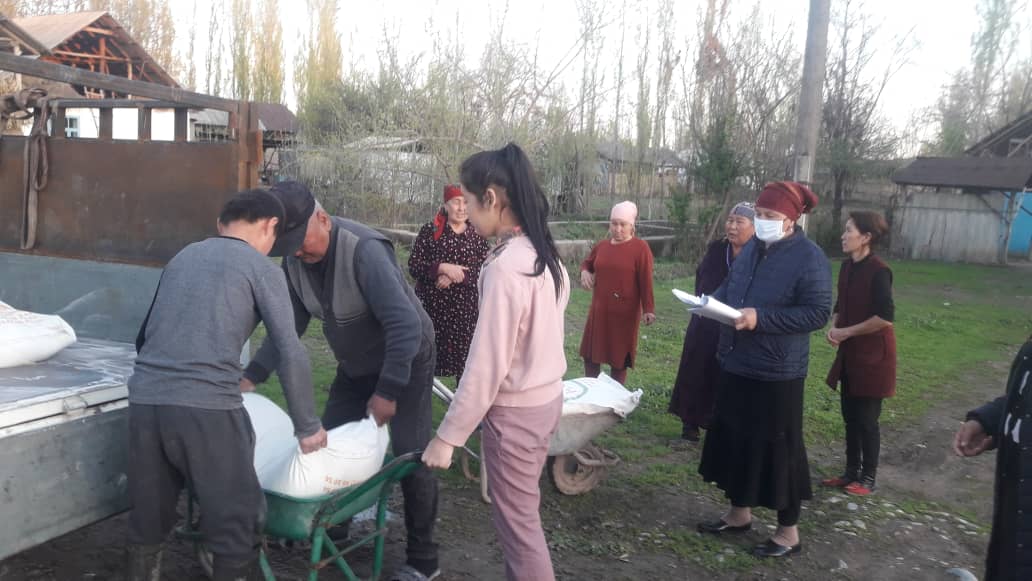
(810, 99)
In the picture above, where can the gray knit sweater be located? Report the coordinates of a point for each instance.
(211, 297)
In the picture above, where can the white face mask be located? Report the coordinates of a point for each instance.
(770, 230)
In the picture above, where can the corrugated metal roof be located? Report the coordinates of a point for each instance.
(271, 117)
(276, 117)
(1019, 128)
(55, 30)
(52, 30)
(15, 34)
(211, 117)
(982, 173)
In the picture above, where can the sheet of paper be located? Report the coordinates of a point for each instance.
(709, 307)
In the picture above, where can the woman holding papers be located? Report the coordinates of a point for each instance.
(754, 450)
(861, 330)
(619, 272)
(695, 386)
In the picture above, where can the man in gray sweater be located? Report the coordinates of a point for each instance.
(187, 424)
(346, 275)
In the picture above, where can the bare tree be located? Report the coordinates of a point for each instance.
(994, 89)
(643, 112)
(666, 62)
(213, 57)
(854, 134)
(190, 72)
(151, 24)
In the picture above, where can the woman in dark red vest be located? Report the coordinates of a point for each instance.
(861, 329)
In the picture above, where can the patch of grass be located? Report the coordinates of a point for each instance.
(710, 551)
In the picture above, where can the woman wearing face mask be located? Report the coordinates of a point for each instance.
(754, 450)
(618, 271)
(445, 263)
(695, 386)
(861, 330)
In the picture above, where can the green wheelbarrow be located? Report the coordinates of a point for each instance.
(307, 519)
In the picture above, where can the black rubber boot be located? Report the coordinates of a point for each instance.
(143, 562)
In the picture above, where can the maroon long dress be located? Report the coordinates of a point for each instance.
(695, 387)
(454, 309)
(623, 291)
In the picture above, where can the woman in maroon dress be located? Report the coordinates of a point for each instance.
(695, 387)
(865, 365)
(445, 263)
(619, 271)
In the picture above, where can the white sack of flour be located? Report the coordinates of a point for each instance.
(596, 395)
(27, 338)
(273, 431)
(354, 452)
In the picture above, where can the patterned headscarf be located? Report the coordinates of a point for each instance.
(451, 191)
(744, 209)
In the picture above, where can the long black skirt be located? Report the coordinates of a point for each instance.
(754, 450)
(695, 388)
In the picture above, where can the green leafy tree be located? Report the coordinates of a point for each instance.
(268, 72)
(318, 73)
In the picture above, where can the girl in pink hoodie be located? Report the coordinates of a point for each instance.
(512, 385)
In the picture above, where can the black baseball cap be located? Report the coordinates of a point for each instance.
(298, 206)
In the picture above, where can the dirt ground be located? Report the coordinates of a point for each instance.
(907, 531)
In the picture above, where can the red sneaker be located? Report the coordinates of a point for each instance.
(837, 482)
(860, 488)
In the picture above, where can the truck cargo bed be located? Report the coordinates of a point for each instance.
(63, 454)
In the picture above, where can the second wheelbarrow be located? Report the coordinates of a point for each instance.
(591, 406)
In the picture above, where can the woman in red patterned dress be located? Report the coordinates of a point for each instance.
(445, 263)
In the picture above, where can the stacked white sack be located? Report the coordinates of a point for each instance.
(27, 338)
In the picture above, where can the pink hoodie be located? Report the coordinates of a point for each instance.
(516, 358)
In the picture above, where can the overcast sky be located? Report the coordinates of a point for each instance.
(941, 30)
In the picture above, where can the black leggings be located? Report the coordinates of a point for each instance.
(788, 517)
(863, 438)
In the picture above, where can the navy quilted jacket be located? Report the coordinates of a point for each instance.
(789, 285)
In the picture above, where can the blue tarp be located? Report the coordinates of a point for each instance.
(1021, 230)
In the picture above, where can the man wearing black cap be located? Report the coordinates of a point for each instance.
(346, 275)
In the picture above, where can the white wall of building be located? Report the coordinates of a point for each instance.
(85, 124)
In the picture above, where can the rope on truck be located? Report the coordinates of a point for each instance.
(36, 160)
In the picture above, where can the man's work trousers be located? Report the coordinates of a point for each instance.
(410, 431)
(212, 451)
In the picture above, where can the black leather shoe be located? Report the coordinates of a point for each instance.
(719, 526)
(771, 549)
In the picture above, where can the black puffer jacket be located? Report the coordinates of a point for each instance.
(1010, 547)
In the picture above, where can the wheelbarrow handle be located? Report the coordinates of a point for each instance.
(442, 391)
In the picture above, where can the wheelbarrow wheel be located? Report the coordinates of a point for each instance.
(572, 477)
